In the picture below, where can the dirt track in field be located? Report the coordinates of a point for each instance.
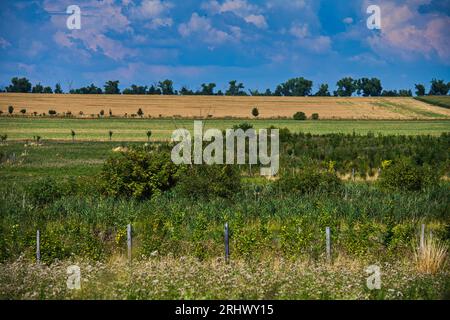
(222, 107)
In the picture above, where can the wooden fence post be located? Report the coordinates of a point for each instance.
(227, 243)
(422, 237)
(328, 239)
(129, 242)
(38, 247)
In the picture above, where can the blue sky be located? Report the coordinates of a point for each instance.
(259, 43)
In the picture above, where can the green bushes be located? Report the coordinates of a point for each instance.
(138, 174)
(310, 180)
(405, 175)
(300, 116)
(210, 181)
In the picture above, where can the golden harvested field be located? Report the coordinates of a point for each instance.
(222, 107)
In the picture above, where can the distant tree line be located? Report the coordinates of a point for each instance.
(296, 87)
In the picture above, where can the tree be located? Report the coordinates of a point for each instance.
(369, 87)
(10, 109)
(110, 113)
(58, 89)
(136, 90)
(323, 91)
(112, 87)
(19, 85)
(185, 91)
(315, 116)
(110, 135)
(255, 112)
(420, 89)
(92, 89)
(47, 90)
(438, 88)
(346, 87)
(297, 87)
(166, 87)
(102, 112)
(235, 89)
(140, 113)
(38, 88)
(52, 112)
(207, 89)
(154, 90)
(149, 134)
(405, 93)
(300, 116)
(23, 111)
(73, 135)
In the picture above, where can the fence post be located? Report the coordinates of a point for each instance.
(129, 243)
(227, 244)
(422, 237)
(38, 247)
(328, 239)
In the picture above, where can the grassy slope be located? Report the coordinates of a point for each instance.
(440, 101)
(135, 130)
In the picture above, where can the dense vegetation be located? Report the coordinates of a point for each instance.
(345, 87)
(178, 214)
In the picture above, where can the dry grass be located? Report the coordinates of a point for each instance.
(431, 257)
(221, 107)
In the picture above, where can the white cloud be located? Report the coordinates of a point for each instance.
(97, 19)
(299, 30)
(241, 8)
(4, 43)
(407, 33)
(202, 27)
(151, 9)
(348, 20)
(258, 20)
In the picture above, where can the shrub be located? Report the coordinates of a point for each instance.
(315, 116)
(244, 126)
(10, 109)
(43, 191)
(52, 112)
(311, 180)
(300, 116)
(23, 111)
(255, 112)
(138, 174)
(407, 176)
(210, 181)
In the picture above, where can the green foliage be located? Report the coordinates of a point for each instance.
(298, 87)
(405, 175)
(315, 116)
(346, 87)
(300, 116)
(44, 191)
(138, 174)
(309, 180)
(255, 112)
(205, 181)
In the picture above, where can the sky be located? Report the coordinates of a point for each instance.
(259, 43)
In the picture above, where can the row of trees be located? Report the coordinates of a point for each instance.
(345, 87)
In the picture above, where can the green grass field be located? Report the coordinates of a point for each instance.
(135, 130)
(440, 101)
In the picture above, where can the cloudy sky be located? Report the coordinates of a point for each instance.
(260, 43)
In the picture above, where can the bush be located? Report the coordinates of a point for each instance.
(407, 176)
(315, 116)
(138, 174)
(307, 181)
(52, 112)
(44, 191)
(300, 116)
(210, 181)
